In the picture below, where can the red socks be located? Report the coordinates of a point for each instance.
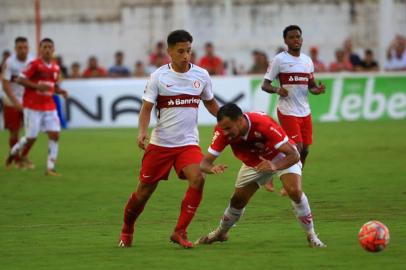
(189, 206)
(132, 210)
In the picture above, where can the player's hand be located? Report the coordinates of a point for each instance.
(265, 166)
(43, 87)
(18, 106)
(142, 140)
(220, 168)
(282, 92)
(319, 89)
(63, 93)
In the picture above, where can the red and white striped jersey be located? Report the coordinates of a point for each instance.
(294, 74)
(177, 97)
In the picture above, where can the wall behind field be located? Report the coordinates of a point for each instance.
(99, 27)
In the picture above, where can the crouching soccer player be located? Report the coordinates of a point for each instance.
(265, 150)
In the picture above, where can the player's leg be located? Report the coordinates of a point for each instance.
(247, 183)
(52, 126)
(53, 147)
(187, 166)
(154, 157)
(32, 123)
(232, 214)
(306, 128)
(291, 179)
(133, 208)
(292, 126)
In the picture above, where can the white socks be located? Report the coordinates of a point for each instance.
(304, 214)
(52, 154)
(18, 146)
(230, 217)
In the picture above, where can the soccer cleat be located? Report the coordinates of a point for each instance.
(214, 236)
(269, 186)
(126, 240)
(180, 237)
(315, 242)
(25, 163)
(52, 173)
(9, 160)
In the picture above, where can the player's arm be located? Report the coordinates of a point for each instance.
(207, 165)
(292, 156)
(143, 123)
(212, 106)
(316, 89)
(269, 88)
(31, 85)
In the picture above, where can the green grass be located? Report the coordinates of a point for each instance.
(355, 172)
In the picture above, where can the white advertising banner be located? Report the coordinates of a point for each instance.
(117, 103)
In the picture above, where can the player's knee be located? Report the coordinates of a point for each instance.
(294, 193)
(197, 181)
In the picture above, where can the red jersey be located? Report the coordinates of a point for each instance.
(40, 72)
(263, 138)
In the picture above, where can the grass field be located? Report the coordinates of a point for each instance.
(356, 172)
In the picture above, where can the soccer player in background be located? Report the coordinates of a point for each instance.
(266, 151)
(40, 79)
(176, 90)
(13, 98)
(294, 71)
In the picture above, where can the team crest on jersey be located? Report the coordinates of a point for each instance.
(215, 136)
(196, 84)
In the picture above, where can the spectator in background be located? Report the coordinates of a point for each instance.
(369, 63)
(139, 69)
(341, 63)
(352, 57)
(160, 60)
(260, 64)
(159, 54)
(119, 70)
(75, 71)
(396, 55)
(93, 69)
(212, 63)
(6, 54)
(63, 68)
(193, 57)
(318, 65)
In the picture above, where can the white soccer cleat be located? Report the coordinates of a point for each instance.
(214, 236)
(315, 242)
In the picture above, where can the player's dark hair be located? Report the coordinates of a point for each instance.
(291, 28)
(179, 36)
(46, 40)
(20, 39)
(229, 110)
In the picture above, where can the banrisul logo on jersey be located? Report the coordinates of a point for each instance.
(348, 98)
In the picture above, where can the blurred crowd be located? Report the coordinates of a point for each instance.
(345, 60)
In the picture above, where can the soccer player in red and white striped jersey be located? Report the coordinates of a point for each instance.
(176, 90)
(294, 70)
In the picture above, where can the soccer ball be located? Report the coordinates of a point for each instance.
(373, 236)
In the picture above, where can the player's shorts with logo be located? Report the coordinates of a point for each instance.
(13, 118)
(37, 121)
(158, 161)
(248, 174)
(299, 129)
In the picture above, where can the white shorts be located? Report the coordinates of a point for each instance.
(247, 175)
(36, 121)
